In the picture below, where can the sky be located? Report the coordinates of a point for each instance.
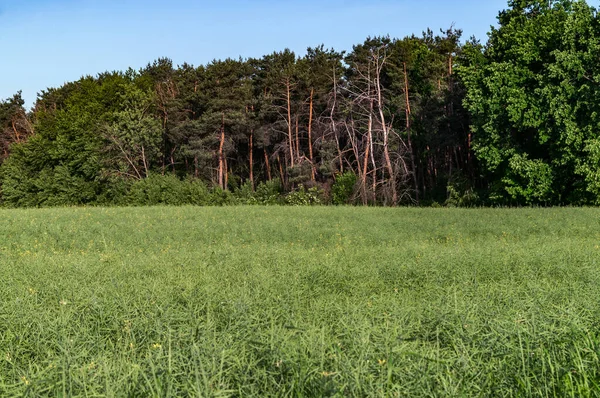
(46, 43)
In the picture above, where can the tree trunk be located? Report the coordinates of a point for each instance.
(226, 187)
(164, 140)
(469, 149)
(251, 161)
(281, 170)
(367, 153)
(289, 122)
(340, 155)
(173, 159)
(221, 157)
(385, 129)
(297, 139)
(144, 161)
(17, 135)
(371, 141)
(310, 147)
(267, 164)
(333, 125)
(366, 161)
(408, 135)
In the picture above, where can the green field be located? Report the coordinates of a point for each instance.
(284, 301)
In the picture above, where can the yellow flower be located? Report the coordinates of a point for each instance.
(63, 302)
(156, 346)
(24, 379)
(381, 362)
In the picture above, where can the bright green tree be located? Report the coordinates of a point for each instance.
(532, 100)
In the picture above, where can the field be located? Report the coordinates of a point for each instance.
(300, 302)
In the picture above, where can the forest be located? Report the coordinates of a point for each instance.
(425, 120)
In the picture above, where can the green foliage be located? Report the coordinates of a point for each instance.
(61, 164)
(266, 193)
(221, 197)
(168, 189)
(532, 98)
(269, 192)
(114, 191)
(590, 168)
(342, 190)
(300, 173)
(245, 194)
(304, 197)
(528, 181)
(25, 185)
(460, 194)
(133, 137)
(456, 198)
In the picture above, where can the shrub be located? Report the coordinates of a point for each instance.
(245, 194)
(113, 191)
(300, 173)
(304, 197)
(167, 190)
(461, 198)
(343, 188)
(220, 197)
(266, 193)
(269, 193)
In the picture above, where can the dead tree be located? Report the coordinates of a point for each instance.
(383, 173)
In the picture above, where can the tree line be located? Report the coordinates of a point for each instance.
(427, 119)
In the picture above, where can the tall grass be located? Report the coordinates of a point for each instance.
(299, 302)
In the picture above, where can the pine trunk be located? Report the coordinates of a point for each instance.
(289, 122)
(221, 157)
(226, 174)
(281, 170)
(267, 164)
(297, 139)
(251, 161)
(310, 147)
(408, 135)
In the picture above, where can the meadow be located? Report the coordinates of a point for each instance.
(299, 302)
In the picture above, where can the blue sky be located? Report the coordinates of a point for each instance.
(45, 43)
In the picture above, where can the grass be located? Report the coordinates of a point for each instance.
(299, 302)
